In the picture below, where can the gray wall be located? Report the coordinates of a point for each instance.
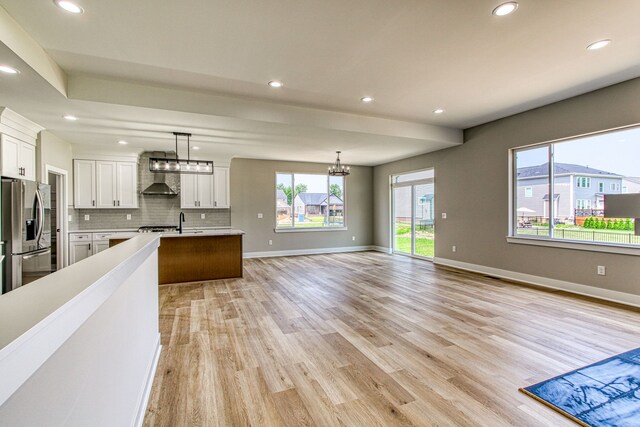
(472, 188)
(253, 192)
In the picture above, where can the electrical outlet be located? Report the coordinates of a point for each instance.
(353, 238)
(260, 216)
(70, 218)
(86, 217)
(128, 217)
(444, 215)
(203, 216)
(270, 242)
(453, 248)
(602, 270)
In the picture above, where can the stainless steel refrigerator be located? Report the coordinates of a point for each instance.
(26, 232)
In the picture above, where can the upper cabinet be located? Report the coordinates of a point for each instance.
(104, 184)
(17, 146)
(221, 183)
(205, 191)
(196, 191)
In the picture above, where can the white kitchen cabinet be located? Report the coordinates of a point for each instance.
(196, 191)
(28, 161)
(83, 245)
(84, 184)
(18, 158)
(127, 185)
(105, 184)
(80, 247)
(79, 251)
(17, 145)
(221, 181)
(99, 247)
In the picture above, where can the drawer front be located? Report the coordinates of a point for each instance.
(102, 236)
(80, 237)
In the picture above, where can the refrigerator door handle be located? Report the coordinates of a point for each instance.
(40, 217)
(35, 253)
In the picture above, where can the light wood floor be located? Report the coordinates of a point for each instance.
(369, 339)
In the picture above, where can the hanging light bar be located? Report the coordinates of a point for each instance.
(339, 169)
(177, 165)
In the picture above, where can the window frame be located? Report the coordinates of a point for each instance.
(293, 228)
(550, 241)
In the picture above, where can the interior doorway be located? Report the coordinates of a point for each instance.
(413, 217)
(57, 179)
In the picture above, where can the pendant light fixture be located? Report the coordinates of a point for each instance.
(177, 165)
(339, 169)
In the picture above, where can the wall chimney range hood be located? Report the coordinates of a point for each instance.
(177, 165)
(159, 186)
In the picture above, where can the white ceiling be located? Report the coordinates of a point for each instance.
(134, 66)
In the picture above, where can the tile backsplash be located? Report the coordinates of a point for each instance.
(153, 210)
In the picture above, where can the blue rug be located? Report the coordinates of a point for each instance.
(606, 393)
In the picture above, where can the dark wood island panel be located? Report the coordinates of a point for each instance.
(189, 258)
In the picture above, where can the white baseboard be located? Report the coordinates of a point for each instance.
(317, 251)
(545, 282)
(381, 249)
(144, 401)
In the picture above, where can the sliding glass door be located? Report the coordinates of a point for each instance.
(413, 204)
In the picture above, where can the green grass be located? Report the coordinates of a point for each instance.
(424, 247)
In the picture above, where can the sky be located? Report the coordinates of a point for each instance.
(315, 183)
(617, 152)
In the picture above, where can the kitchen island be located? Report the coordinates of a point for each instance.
(196, 255)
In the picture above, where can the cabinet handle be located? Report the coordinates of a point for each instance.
(118, 202)
(215, 204)
(93, 203)
(89, 246)
(114, 203)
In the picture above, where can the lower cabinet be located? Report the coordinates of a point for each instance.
(83, 245)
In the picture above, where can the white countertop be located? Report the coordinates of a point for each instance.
(187, 233)
(135, 230)
(27, 306)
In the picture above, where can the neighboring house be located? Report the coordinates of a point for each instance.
(283, 209)
(316, 204)
(425, 204)
(578, 190)
(631, 184)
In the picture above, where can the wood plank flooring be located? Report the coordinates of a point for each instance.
(368, 339)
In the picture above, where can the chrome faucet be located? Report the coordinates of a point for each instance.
(180, 221)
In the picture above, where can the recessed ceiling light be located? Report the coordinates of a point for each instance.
(275, 83)
(68, 6)
(599, 44)
(8, 70)
(70, 118)
(505, 8)
(438, 111)
(122, 142)
(195, 147)
(366, 99)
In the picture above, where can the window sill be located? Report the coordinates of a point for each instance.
(305, 229)
(577, 245)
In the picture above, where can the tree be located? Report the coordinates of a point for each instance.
(287, 191)
(300, 188)
(336, 190)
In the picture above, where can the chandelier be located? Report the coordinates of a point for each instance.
(177, 165)
(339, 169)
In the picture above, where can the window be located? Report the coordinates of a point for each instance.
(528, 191)
(583, 204)
(548, 205)
(309, 201)
(583, 182)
